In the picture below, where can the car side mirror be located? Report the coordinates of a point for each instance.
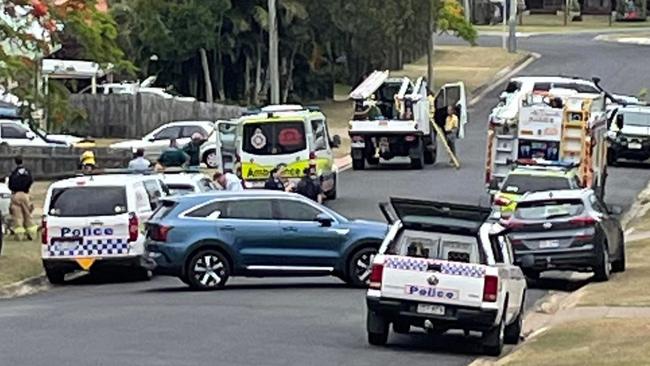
(30, 135)
(324, 220)
(615, 210)
(620, 121)
(151, 139)
(503, 96)
(336, 141)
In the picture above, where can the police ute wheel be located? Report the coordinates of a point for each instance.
(359, 267)
(210, 159)
(493, 339)
(603, 270)
(207, 270)
(513, 331)
(377, 328)
(142, 274)
(55, 276)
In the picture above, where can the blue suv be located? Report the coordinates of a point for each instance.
(203, 239)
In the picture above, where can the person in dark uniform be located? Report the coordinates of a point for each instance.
(20, 182)
(308, 188)
(274, 182)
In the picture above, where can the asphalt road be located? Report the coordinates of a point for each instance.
(294, 321)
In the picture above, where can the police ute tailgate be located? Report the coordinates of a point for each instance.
(433, 281)
(91, 236)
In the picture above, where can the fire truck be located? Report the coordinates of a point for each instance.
(561, 126)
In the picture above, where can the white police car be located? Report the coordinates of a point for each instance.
(180, 183)
(95, 221)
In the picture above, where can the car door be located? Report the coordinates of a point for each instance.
(307, 242)
(159, 141)
(515, 279)
(256, 235)
(610, 224)
(452, 94)
(226, 143)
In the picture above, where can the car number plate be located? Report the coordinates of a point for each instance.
(634, 145)
(431, 309)
(66, 245)
(546, 244)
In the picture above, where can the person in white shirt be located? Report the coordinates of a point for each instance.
(139, 163)
(228, 181)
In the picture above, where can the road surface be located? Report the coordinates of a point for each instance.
(295, 321)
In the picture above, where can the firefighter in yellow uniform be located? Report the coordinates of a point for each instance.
(20, 182)
(87, 161)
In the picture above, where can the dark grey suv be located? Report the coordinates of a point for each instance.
(567, 230)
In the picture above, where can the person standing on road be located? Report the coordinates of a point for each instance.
(228, 181)
(451, 130)
(308, 188)
(193, 149)
(172, 156)
(139, 163)
(275, 183)
(20, 182)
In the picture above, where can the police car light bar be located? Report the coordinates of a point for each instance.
(546, 163)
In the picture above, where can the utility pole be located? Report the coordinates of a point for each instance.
(512, 44)
(566, 12)
(504, 13)
(273, 53)
(468, 11)
(431, 42)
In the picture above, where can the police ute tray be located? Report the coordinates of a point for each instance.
(440, 216)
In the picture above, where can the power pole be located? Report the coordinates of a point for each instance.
(468, 11)
(512, 45)
(273, 53)
(566, 12)
(430, 45)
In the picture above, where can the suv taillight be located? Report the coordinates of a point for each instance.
(159, 232)
(582, 221)
(376, 275)
(134, 227)
(44, 240)
(490, 288)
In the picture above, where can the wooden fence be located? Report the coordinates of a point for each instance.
(133, 116)
(58, 162)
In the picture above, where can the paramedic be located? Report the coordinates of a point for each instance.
(20, 181)
(451, 130)
(275, 183)
(172, 156)
(308, 188)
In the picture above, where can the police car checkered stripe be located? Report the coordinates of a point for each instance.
(421, 265)
(92, 247)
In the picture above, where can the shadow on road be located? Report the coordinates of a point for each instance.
(560, 283)
(261, 286)
(450, 343)
(102, 278)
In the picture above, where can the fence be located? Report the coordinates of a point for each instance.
(57, 162)
(132, 116)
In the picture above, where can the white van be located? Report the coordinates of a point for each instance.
(96, 222)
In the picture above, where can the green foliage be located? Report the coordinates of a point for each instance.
(451, 19)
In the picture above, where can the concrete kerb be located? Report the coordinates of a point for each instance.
(556, 307)
(503, 75)
(25, 287)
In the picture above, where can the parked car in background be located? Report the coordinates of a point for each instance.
(567, 230)
(132, 87)
(15, 133)
(629, 134)
(155, 142)
(205, 239)
(185, 183)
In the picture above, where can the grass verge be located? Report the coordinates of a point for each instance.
(19, 260)
(618, 342)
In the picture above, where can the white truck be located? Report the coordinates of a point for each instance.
(392, 119)
(441, 267)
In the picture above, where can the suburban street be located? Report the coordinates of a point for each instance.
(290, 321)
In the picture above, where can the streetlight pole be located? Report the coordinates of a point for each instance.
(512, 45)
(430, 45)
(273, 53)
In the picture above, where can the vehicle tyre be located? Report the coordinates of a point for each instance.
(430, 151)
(418, 162)
(331, 194)
(142, 274)
(532, 275)
(210, 159)
(619, 264)
(359, 266)
(493, 339)
(377, 328)
(611, 159)
(401, 327)
(358, 164)
(208, 270)
(55, 276)
(512, 332)
(372, 161)
(603, 269)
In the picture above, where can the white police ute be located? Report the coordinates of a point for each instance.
(442, 267)
(96, 222)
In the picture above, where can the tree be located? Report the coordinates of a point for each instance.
(32, 29)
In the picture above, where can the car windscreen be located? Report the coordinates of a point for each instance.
(274, 138)
(580, 88)
(180, 189)
(520, 184)
(88, 201)
(636, 119)
(422, 244)
(549, 209)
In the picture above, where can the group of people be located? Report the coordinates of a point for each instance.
(173, 156)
